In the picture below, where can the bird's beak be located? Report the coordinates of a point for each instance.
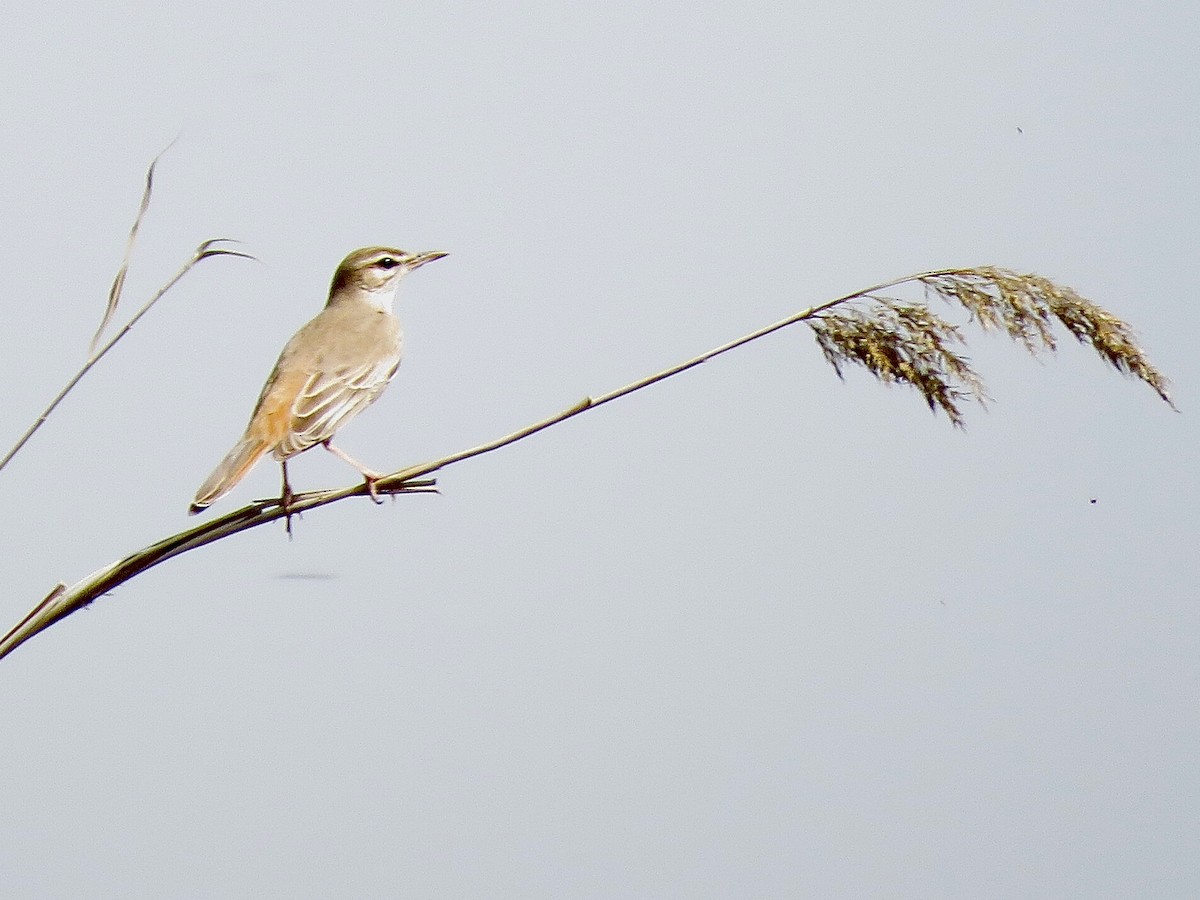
(419, 259)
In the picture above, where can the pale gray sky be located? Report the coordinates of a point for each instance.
(750, 633)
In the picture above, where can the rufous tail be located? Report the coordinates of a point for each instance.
(233, 468)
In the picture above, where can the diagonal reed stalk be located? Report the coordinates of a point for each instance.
(204, 251)
(895, 340)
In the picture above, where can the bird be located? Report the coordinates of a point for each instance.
(331, 370)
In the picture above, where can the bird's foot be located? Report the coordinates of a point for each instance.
(370, 480)
(286, 497)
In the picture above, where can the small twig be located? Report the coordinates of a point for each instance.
(204, 251)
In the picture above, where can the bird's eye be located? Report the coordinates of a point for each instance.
(388, 262)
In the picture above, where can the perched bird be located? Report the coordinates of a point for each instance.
(332, 369)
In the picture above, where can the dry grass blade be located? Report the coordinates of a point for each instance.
(1026, 306)
(204, 251)
(13, 637)
(902, 343)
(209, 249)
(114, 292)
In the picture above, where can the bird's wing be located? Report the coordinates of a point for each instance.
(328, 400)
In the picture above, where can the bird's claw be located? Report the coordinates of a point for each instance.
(285, 503)
(371, 492)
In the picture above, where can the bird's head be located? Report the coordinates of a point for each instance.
(376, 271)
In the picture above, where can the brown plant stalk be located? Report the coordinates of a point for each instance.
(206, 250)
(895, 340)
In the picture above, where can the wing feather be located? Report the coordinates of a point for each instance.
(330, 399)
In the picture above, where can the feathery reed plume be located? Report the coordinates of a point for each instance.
(907, 343)
(1024, 307)
(904, 343)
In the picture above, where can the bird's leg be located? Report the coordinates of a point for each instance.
(285, 499)
(370, 476)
